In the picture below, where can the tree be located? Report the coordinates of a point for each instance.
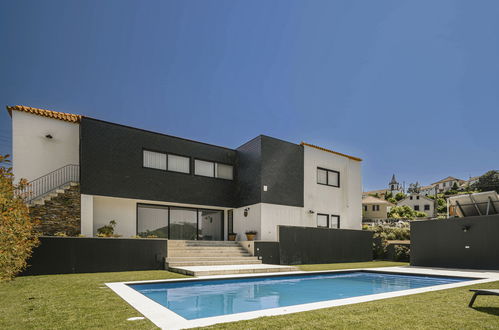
(487, 182)
(405, 212)
(455, 187)
(388, 195)
(17, 231)
(399, 196)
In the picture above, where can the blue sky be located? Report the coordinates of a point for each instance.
(412, 87)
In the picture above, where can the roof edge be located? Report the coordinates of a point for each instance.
(69, 117)
(331, 151)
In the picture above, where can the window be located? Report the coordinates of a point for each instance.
(155, 160)
(213, 170)
(416, 207)
(179, 164)
(322, 220)
(410, 198)
(328, 177)
(427, 207)
(365, 208)
(204, 168)
(335, 221)
(375, 207)
(417, 197)
(224, 171)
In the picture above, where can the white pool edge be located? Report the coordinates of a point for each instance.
(167, 319)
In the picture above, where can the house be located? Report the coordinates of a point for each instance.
(153, 184)
(430, 190)
(446, 184)
(375, 208)
(419, 203)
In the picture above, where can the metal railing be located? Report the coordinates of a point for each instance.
(49, 182)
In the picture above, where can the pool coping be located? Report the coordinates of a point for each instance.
(165, 318)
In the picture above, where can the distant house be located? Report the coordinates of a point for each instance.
(429, 190)
(419, 203)
(446, 184)
(375, 208)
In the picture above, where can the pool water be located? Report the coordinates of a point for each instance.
(199, 299)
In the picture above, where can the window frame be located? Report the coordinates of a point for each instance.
(327, 220)
(166, 154)
(330, 220)
(327, 177)
(425, 207)
(214, 169)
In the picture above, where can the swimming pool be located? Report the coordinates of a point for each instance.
(207, 298)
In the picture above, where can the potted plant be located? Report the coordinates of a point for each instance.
(250, 235)
(232, 236)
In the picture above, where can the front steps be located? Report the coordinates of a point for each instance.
(52, 194)
(202, 258)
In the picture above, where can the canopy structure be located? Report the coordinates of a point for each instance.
(483, 203)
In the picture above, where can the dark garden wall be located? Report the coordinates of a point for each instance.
(268, 252)
(64, 255)
(309, 245)
(470, 242)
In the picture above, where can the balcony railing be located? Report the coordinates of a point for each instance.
(50, 182)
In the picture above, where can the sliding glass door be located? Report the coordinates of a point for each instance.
(179, 222)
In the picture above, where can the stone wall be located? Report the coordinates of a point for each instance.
(59, 215)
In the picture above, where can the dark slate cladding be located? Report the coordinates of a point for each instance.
(466, 243)
(111, 165)
(249, 177)
(282, 172)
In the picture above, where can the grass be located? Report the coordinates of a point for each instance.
(81, 301)
(348, 265)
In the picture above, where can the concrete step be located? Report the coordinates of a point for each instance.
(201, 243)
(213, 263)
(207, 248)
(231, 269)
(204, 254)
(190, 259)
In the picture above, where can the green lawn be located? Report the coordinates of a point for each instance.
(82, 301)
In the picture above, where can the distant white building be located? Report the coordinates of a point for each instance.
(419, 203)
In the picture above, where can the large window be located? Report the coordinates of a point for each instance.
(213, 170)
(322, 220)
(179, 222)
(328, 177)
(163, 161)
(178, 164)
(155, 160)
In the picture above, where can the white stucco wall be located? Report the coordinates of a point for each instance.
(34, 155)
(345, 201)
(252, 221)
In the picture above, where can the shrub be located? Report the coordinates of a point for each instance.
(107, 230)
(382, 234)
(402, 253)
(18, 236)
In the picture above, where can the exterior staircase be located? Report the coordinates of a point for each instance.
(41, 200)
(50, 185)
(198, 258)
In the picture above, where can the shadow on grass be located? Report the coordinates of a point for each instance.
(488, 310)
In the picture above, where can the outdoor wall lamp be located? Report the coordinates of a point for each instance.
(466, 228)
(48, 136)
(246, 210)
(311, 211)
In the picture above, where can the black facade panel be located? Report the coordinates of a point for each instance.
(282, 172)
(65, 255)
(249, 170)
(309, 245)
(470, 242)
(111, 165)
(268, 252)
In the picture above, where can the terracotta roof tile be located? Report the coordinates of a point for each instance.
(331, 151)
(72, 118)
